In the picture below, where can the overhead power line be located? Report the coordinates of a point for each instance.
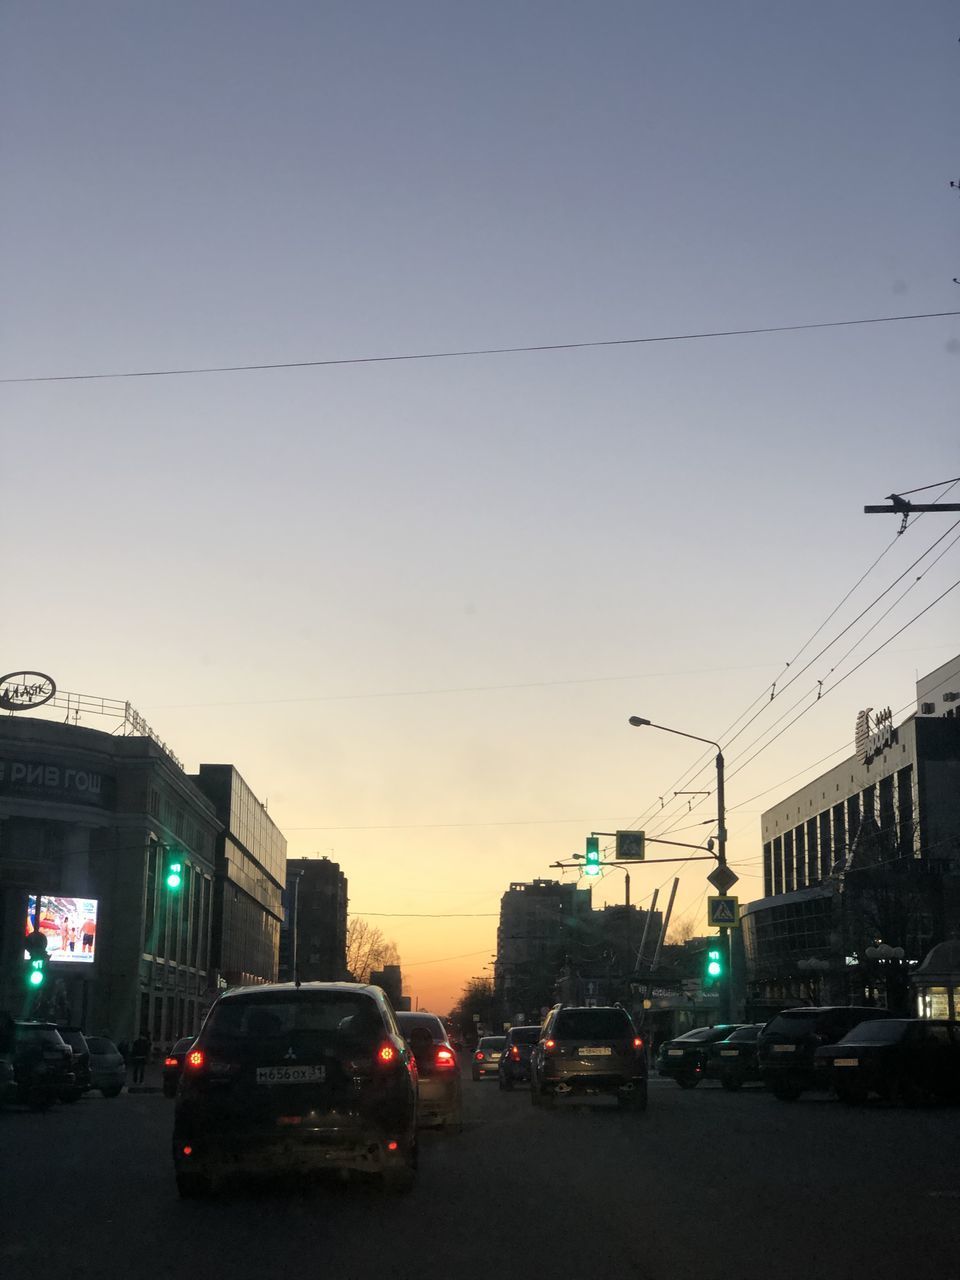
(477, 351)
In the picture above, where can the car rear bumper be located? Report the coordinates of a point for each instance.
(438, 1101)
(592, 1082)
(304, 1151)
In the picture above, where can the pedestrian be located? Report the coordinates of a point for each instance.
(141, 1052)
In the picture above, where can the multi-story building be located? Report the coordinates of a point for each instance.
(313, 941)
(85, 817)
(390, 978)
(868, 853)
(251, 857)
(541, 924)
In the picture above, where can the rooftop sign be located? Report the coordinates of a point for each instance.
(24, 690)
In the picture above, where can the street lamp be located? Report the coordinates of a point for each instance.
(638, 721)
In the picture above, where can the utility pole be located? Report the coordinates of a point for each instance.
(901, 506)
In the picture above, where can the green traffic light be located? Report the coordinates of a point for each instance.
(37, 973)
(591, 862)
(174, 874)
(714, 964)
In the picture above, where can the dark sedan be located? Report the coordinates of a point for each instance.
(515, 1061)
(733, 1060)
(685, 1058)
(901, 1059)
(173, 1065)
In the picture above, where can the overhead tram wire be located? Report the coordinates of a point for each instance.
(477, 351)
(705, 760)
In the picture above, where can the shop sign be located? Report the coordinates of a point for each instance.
(873, 737)
(38, 780)
(24, 690)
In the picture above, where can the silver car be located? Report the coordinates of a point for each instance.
(486, 1060)
(108, 1071)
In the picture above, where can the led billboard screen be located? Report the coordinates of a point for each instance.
(69, 926)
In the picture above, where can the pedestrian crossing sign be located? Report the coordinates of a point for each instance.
(723, 912)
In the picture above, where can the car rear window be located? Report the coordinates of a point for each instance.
(700, 1034)
(801, 1023)
(492, 1043)
(332, 1020)
(745, 1034)
(97, 1044)
(429, 1022)
(183, 1045)
(39, 1035)
(877, 1031)
(592, 1024)
(525, 1035)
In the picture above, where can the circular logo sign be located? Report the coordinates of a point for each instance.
(22, 690)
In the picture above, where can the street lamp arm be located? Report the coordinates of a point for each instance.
(637, 721)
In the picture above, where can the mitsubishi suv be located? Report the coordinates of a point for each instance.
(290, 1078)
(589, 1051)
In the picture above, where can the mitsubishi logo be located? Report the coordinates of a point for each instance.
(290, 1054)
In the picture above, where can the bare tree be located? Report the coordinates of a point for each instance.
(368, 949)
(680, 933)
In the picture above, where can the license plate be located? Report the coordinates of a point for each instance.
(729, 1053)
(784, 1048)
(291, 1075)
(846, 1062)
(674, 1053)
(495, 1057)
(596, 1052)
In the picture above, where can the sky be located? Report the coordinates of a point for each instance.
(416, 602)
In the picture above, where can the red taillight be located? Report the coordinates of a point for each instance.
(170, 1062)
(549, 1046)
(638, 1042)
(386, 1054)
(479, 1056)
(445, 1057)
(514, 1053)
(195, 1059)
(188, 1151)
(393, 1146)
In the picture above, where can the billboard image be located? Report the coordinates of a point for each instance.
(69, 926)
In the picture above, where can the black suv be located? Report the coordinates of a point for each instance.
(788, 1043)
(77, 1041)
(586, 1051)
(287, 1078)
(42, 1064)
(515, 1060)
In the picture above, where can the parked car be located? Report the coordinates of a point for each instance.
(684, 1058)
(173, 1065)
(439, 1091)
(901, 1059)
(788, 1043)
(486, 1059)
(515, 1059)
(288, 1078)
(589, 1051)
(108, 1071)
(77, 1041)
(733, 1060)
(42, 1063)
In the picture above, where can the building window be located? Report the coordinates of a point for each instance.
(839, 832)
(767, 869)
(826, 845)
(788, 882)
(778, 865)
(799, 848)
(812, 867)
(155, 802)
(905, 817)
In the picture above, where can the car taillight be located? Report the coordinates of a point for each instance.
(479, 1056)
(549, 1046)
(445, 1057)
(387, 1055)
(638, 1042)
(515, 1053)
(170, 1062)
(195, 1059)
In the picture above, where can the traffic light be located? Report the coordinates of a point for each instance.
(36, 972)
(713, 966)
(591, 866)
(173, 870)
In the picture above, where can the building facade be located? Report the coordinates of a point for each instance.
(868, 853)
(313, 940)
(541, 923)
(85, 820)
(251, 859)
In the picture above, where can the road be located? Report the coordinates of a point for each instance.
(705, 1184)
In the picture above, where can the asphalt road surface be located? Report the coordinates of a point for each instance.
(705, 1184)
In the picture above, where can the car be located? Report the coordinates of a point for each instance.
(42, 1063)
(589, 1050)
(486, 1058)
(297, 1078)
(173, 1065)
(108, 1071)
(684, 1058)
(901, 1059)
(439, 1090)
(77, 1041)
(787, 1044)
(733, 1060)
(515, 1058)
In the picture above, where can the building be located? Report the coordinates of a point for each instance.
(867, 854)
(86, 818)
(390, 979)
(313, 940)
(541, 923)
(251, 858)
